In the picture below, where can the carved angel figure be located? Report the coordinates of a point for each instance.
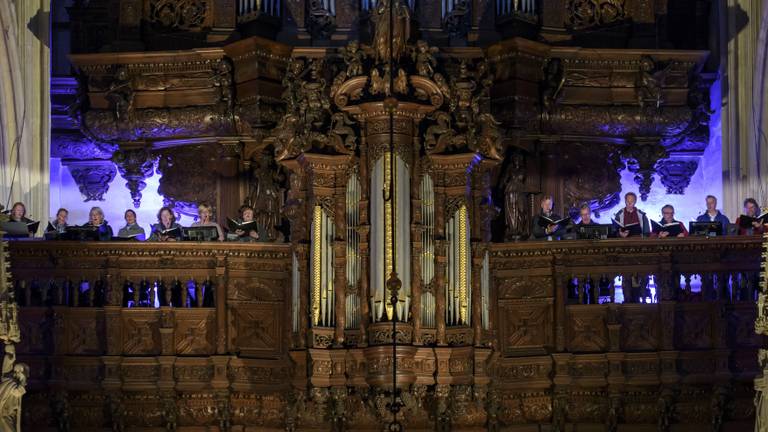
(650, 82)
(400, 30)
(515, 202)
(120, 95)
(287, 145)
(223, 80)
(401, 82)
(423, 56)
(438, 134)
(353, 56)
(340, 126)
(488, 143)
(380, 84)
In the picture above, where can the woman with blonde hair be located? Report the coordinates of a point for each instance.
(205, 214)
(96, 220)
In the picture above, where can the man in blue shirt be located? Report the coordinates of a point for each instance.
(713, 214)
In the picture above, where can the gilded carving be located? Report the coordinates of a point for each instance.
(585, 14)
(177, 15)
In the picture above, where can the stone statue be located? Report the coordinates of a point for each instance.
(400, 30)
(515, 203)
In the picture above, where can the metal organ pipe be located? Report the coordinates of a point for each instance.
(353, 197)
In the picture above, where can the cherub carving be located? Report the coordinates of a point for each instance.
(401, 82)
(380, 84)
(340, 126)
(424, 57)
(353, 56)
(439, 134)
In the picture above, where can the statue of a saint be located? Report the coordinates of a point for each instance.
(266, 195)
(400, 30)
(515, 202)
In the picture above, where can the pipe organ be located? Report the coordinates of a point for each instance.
(397, 168)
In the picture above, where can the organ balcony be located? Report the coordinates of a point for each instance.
(226, 325)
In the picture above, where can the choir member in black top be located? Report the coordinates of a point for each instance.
(96, 220)
(166, 221)
(585, 212)
(550, 231)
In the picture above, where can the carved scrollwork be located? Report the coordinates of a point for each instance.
(310, 123)
(134, 165)
(178, 15)
(584, 14)
(92, 178)
(642, 156)
(466, 124)
(676, 175)
(594, 181)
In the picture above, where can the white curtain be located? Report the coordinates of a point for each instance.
(744, 115)
(25, 105)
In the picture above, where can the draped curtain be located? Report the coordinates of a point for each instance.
(743, 39)
(25, 105)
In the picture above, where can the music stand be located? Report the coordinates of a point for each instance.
(14, 229)
(200, 233)
(80, 233)
(708, 229)
(594, 232)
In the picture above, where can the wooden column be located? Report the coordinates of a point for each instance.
(440, 261)
(417, 220)
(327, 175)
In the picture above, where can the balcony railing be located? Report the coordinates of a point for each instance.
(641, 313)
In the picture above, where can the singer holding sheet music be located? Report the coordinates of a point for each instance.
(751, 222)
(631, 216)
(131, 228)
(246, 215)
(714, 215)
(585, 213)
(547, 225)
(96, 220)
(205, 214)
(669, 227)
(18, 214)
(166, 229)
(59, 225)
